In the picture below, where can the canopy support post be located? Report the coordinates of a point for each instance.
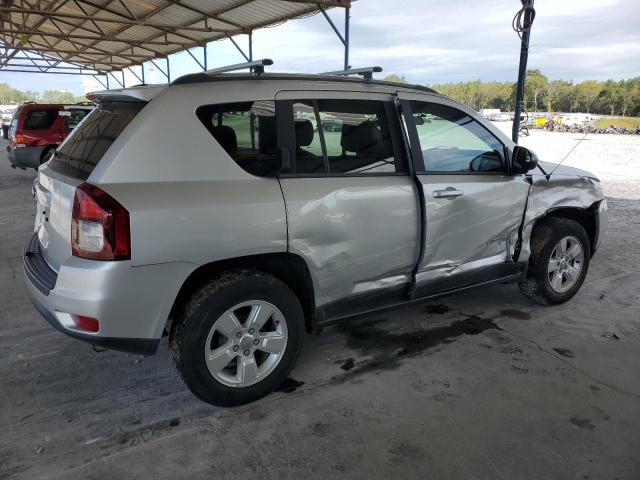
(204, 49)
(528, 16)
(346, 37)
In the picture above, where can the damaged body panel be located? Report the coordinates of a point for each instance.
(470, 233)
(566, 189)
(285, 203)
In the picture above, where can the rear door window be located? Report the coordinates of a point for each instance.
(40, 119)
(341, 136)
(85, 147)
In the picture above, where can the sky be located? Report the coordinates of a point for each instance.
(429, 42)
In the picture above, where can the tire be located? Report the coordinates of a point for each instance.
(540, 284)
(198, 333)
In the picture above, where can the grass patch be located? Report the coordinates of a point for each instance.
(623, 122)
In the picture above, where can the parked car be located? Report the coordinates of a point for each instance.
(236, 241)
(37, 129)
(500, 117)
(6, 114)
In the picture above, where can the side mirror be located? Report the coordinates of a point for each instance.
(523, 160)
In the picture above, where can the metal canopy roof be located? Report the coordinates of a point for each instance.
(100, 36)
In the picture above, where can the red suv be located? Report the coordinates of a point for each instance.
(37, 129)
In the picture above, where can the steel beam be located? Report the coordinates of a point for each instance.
(100, 81)
(247, 58)
(119, 21)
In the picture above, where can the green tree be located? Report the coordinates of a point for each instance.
(535, 87)
(60, 96)
(610, 97)
(395, 78)
(588, 92)
(630, 95)
(12, 96)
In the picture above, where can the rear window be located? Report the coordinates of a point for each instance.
(84, 148)
(76, 115)
(40, 119)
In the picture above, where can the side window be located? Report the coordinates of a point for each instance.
(40, 119)
(247, 132)
(76, 116)
(452, 141)
(344, 137)
(309, 155)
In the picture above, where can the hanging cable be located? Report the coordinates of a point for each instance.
(518, 24)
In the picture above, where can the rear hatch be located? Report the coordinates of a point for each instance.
(71, 165)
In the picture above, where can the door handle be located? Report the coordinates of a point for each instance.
(449, 192)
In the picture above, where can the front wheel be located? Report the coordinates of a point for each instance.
(238, 338)
(560, 253)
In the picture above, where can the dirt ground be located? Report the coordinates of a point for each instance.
(482, 385)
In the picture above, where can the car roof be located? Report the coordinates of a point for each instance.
(145, 93)
(207, 77)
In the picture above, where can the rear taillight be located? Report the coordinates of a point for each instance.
(19, 140)
(99, 225)
(87, 324)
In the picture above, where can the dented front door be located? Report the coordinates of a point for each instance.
(473, 206)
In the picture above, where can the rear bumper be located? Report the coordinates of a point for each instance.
(25, 157)
(132, 304)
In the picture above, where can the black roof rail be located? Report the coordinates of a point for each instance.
(366, 73)
(257, 66)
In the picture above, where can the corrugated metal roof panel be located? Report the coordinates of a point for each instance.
(110, 35)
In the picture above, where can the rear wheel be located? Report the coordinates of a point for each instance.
(559, 261)
(238, 339)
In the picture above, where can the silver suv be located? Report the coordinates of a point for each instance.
(282, 203)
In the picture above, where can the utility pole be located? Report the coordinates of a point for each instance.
(522, 24)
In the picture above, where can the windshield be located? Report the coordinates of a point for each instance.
(89, 141)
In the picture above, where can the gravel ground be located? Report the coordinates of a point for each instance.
(481, 385)
(615, 159)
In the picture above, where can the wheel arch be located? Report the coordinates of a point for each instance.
(289, 268)
(587, 217)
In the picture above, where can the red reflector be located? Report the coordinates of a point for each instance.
(87, 324)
